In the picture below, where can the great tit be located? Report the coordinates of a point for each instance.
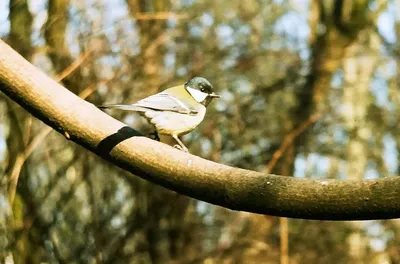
(175, 111)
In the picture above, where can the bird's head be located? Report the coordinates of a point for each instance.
(201, 90)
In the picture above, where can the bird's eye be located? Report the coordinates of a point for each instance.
(203, 90)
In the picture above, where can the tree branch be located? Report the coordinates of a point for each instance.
(234, 188)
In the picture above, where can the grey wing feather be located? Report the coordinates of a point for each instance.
(123, 107)
(159, 102)
(165, 102)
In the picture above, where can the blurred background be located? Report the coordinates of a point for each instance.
(310, 89)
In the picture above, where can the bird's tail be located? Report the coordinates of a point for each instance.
(123, 107)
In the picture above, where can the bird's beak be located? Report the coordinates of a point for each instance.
(214, 95)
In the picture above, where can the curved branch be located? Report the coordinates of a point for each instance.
(218, 184)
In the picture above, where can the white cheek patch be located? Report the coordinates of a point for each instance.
(199, 96)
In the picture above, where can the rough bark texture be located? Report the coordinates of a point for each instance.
(222, 185)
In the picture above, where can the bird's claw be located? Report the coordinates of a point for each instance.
(181, 148)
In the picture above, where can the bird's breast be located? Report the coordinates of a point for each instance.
(172, 123)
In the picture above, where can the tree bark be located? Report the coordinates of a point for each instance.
(218, 184)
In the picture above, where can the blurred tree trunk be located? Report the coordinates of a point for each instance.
(29, 230)
(150, 198)
(393, 249)
(151, 32)
(334, 26)
(285, 168)
(27, 248)
(20, 40)
(21, 27)
(58, 51)
(163, 243)
(358, 73)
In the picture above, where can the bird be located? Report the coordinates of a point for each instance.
(175, 111)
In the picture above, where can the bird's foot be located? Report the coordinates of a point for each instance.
(154, 136)
(184, 149)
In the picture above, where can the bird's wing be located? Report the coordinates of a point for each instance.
(123, 107)
(165, 102)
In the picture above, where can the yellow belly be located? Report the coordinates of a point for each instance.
(171, 123)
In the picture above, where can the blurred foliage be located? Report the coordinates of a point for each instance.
(275, 63)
